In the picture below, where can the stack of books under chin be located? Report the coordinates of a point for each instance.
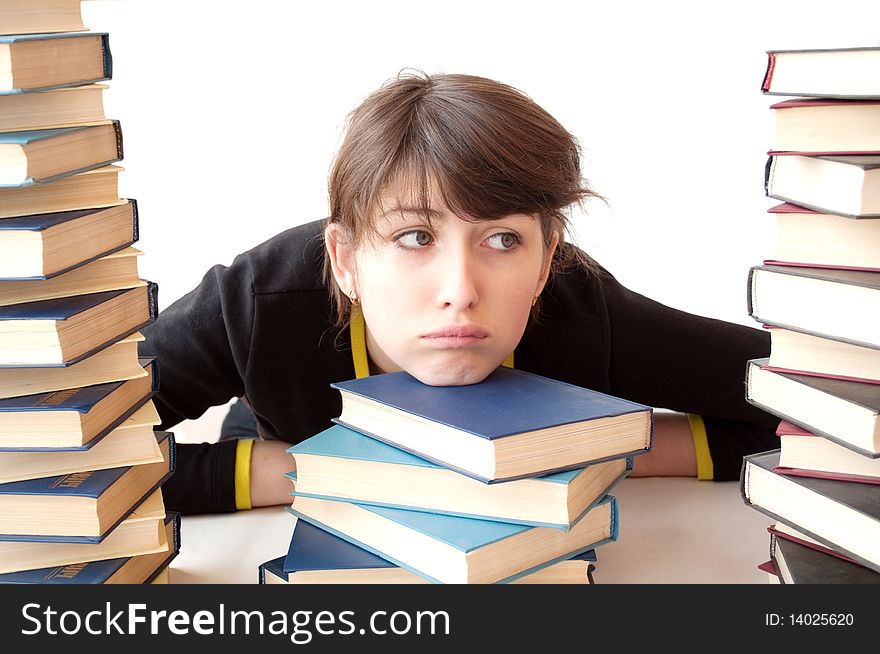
(81, 466)
(504, 481)
(819, 295)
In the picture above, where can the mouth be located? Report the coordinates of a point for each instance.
(456, 336)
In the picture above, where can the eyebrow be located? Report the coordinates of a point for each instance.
(421, 211)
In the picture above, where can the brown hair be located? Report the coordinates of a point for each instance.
(486, 148)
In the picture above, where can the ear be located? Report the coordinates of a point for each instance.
(548, 260)
(342, 258)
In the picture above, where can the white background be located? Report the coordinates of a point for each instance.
(231, 112)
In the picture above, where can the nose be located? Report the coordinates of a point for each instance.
(457, 279)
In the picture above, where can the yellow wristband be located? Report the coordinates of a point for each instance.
(243, 473)
(705, 470)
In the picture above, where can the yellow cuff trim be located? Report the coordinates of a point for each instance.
(705, 471)
(243, 473)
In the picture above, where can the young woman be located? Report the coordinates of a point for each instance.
(444, 255)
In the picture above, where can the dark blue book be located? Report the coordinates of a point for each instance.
(33, 60)
(54, 250)
(800, 564)
(65, 330)
(317, 556)
(449, 549)
(139, 569)
(76, 418)
(71, 150)
(514, 424)
(342, 464)
(81, 507)
(843, 516)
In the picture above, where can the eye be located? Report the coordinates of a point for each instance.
(414, 239)
(503, 241)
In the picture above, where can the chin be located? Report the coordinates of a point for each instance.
(454, 374)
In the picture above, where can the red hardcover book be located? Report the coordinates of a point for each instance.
(822, 240)
(826, 126)
(804, 454)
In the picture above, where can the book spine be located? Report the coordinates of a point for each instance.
(117, 130)
(135, 222)
(106, 56)
(768, 75)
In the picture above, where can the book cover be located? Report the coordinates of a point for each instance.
(103, 571)
(839, 514)
(440, 539)
(436, 489)
(848, 73)
(814, 126)
(312, 548)
(798, 564)
(81, 401)
(55, 312)
(844, 185)
(45, 223)
(105, 74)
(509, 403)
(92, 485)
(829, 303)
(819, 405)
(25, 139)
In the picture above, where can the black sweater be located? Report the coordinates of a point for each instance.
(262, 328)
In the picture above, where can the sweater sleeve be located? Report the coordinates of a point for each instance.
(671, 359)
(201, 342)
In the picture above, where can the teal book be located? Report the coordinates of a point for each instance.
(32, 61)
(138, 569)
(76, 418)
(513, 424)
(62, 331)
(46, 155)
(39, 247)
(81, 507)
(841, 515)
(449, 549)
(343, 464)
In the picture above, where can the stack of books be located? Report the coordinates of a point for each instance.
(819, 295)
(81, 466)
(502, 481)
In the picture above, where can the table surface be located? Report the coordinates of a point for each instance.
(671, 530)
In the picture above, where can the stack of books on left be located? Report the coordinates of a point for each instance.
(81, 467)
(819, 295)
(498, 482)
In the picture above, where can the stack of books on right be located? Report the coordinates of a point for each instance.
(81, 467)
(504, 481)
(819, 295)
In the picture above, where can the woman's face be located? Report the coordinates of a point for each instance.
(446, 301)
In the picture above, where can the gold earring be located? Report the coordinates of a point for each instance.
(353, 296)
(535, 300)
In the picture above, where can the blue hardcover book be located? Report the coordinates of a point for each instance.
(335, 560)
(81, 507)
(86, 55)
(343, 464)
(140, 569)
(450, 549)
(513, 424)
(76, 418)
(73, 150)
(62, 331)
(116, 228)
